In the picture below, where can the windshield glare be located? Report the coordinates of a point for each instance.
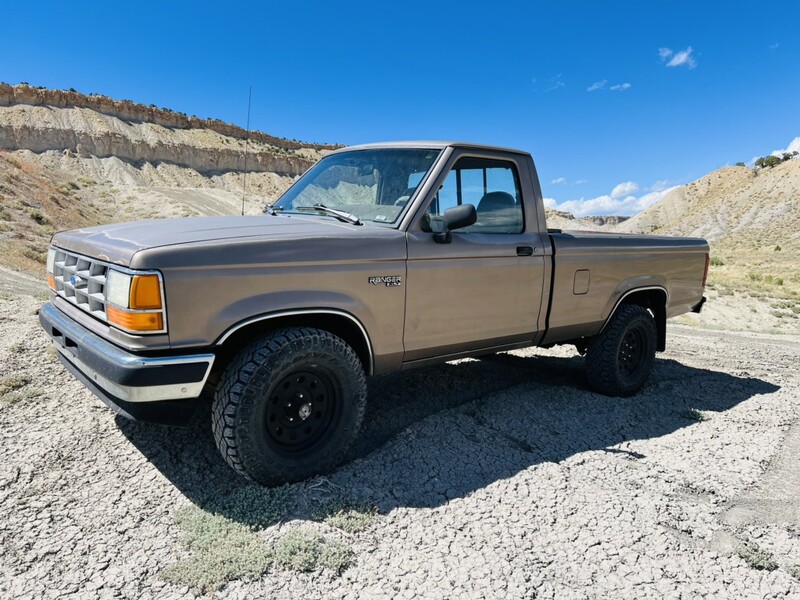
(374, 185)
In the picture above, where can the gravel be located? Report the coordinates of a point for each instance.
(503, 477)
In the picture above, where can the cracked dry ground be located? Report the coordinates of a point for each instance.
(495, 478)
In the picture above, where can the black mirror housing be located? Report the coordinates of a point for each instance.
(456, 217)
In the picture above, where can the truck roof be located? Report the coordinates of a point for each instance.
(434, 145)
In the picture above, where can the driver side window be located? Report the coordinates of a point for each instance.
(492, 186)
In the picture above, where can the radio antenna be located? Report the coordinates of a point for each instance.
(246, 139)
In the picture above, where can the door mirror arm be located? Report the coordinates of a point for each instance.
(443, 237)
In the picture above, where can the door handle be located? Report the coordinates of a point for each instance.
(524, 251)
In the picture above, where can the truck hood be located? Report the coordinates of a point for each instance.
(118, 243)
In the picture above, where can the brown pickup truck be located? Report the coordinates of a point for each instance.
(380, 258)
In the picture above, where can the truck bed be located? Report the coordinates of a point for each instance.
(591, 272)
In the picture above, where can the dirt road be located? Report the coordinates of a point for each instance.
(495, 478)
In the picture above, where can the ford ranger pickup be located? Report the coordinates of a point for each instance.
(379, 258)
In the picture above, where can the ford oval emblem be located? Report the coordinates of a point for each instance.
(74, 280)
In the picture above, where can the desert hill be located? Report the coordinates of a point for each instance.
(751, 218)
(68, 160)
(733, 207)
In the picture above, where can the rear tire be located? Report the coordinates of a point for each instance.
(289, 406)
(620, 358)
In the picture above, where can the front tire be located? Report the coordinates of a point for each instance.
(620, 358)
(289, 406)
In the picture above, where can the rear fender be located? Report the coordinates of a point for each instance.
(653, 297)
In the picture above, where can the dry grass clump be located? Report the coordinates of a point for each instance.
(13, 383)
(13, 389)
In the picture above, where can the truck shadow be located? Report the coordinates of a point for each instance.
(442, 432)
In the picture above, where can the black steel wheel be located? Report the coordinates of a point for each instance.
(300, 410)
(620, 358)
(289, 406)
(631, 357)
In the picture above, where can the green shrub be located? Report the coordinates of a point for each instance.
(37, 216)
(305, 551)
(715, 262)
(221, 551)
(756, 558)
(35, 255)
(348, 515)
(695, 415)
(768, 161)
(226, 543)
(773, 161)
(255, 506)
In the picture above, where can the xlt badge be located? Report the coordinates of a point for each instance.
(388, 280)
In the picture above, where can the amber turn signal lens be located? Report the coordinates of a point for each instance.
(145, 292)
(135, 321)
(51, 281)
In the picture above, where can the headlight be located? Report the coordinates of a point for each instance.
(51, 264)
(134, 302)
(118, 288)
(51, 260)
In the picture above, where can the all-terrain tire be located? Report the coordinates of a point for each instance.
(620, 358)
(289, 405)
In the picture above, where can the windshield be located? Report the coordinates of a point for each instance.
(373, 185)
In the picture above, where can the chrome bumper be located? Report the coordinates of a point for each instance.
(120, 377)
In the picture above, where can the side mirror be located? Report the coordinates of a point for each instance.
(456, 217)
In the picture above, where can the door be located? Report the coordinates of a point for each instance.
(484, 288)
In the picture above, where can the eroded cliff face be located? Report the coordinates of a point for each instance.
(607, 220)
(565, 220)
(43, 120)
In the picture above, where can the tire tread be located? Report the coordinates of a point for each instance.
(261, 361)
(601, 356)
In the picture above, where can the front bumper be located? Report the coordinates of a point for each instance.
(157, 389)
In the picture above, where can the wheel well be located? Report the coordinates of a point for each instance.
(654, 300)
(339, 325)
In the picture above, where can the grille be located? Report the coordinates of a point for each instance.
(81, 281)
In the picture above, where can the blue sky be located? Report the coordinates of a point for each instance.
(617, 101)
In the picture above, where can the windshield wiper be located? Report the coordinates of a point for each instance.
(340, 214)
(273, 210)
